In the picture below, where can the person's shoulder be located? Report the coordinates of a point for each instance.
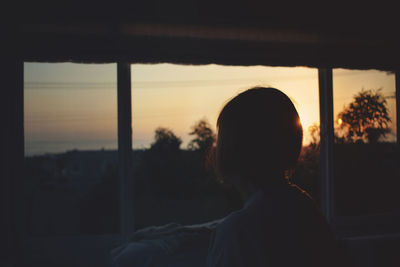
(299, 198)
(282, 200)
(301, 193)
(233, 222)
(244, 222)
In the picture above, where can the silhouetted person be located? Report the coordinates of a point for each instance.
(258, 145)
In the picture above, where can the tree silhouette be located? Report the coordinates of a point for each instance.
(314, 131)
(165, 140)
(161, 165)
(204, 136)
(366, 118)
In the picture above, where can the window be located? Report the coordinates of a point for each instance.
(168, 101)
(71, 150)
(365, 153)
(71, 161)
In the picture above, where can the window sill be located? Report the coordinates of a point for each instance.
(374, 226)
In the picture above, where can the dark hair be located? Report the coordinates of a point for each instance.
(259, 137)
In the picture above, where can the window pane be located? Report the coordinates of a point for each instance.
(70, 182)
(365, 159)
(172, 184)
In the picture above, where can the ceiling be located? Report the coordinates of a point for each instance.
(201, 32)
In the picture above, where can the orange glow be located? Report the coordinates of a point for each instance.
(67, 102)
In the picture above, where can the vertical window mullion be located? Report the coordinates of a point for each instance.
(327, 139)
(125, 148)
(398, 108)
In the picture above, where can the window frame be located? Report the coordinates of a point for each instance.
(126, 179)
(326, 141)
(57, 244)
(341, 223)
(125, 174)
(397, 78)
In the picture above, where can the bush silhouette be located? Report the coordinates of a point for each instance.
(165, 140)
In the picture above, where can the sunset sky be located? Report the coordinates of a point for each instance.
(73, 106)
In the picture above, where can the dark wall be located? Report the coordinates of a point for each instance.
(318, 35)
(12, 151)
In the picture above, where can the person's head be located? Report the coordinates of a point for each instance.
(259, 138)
